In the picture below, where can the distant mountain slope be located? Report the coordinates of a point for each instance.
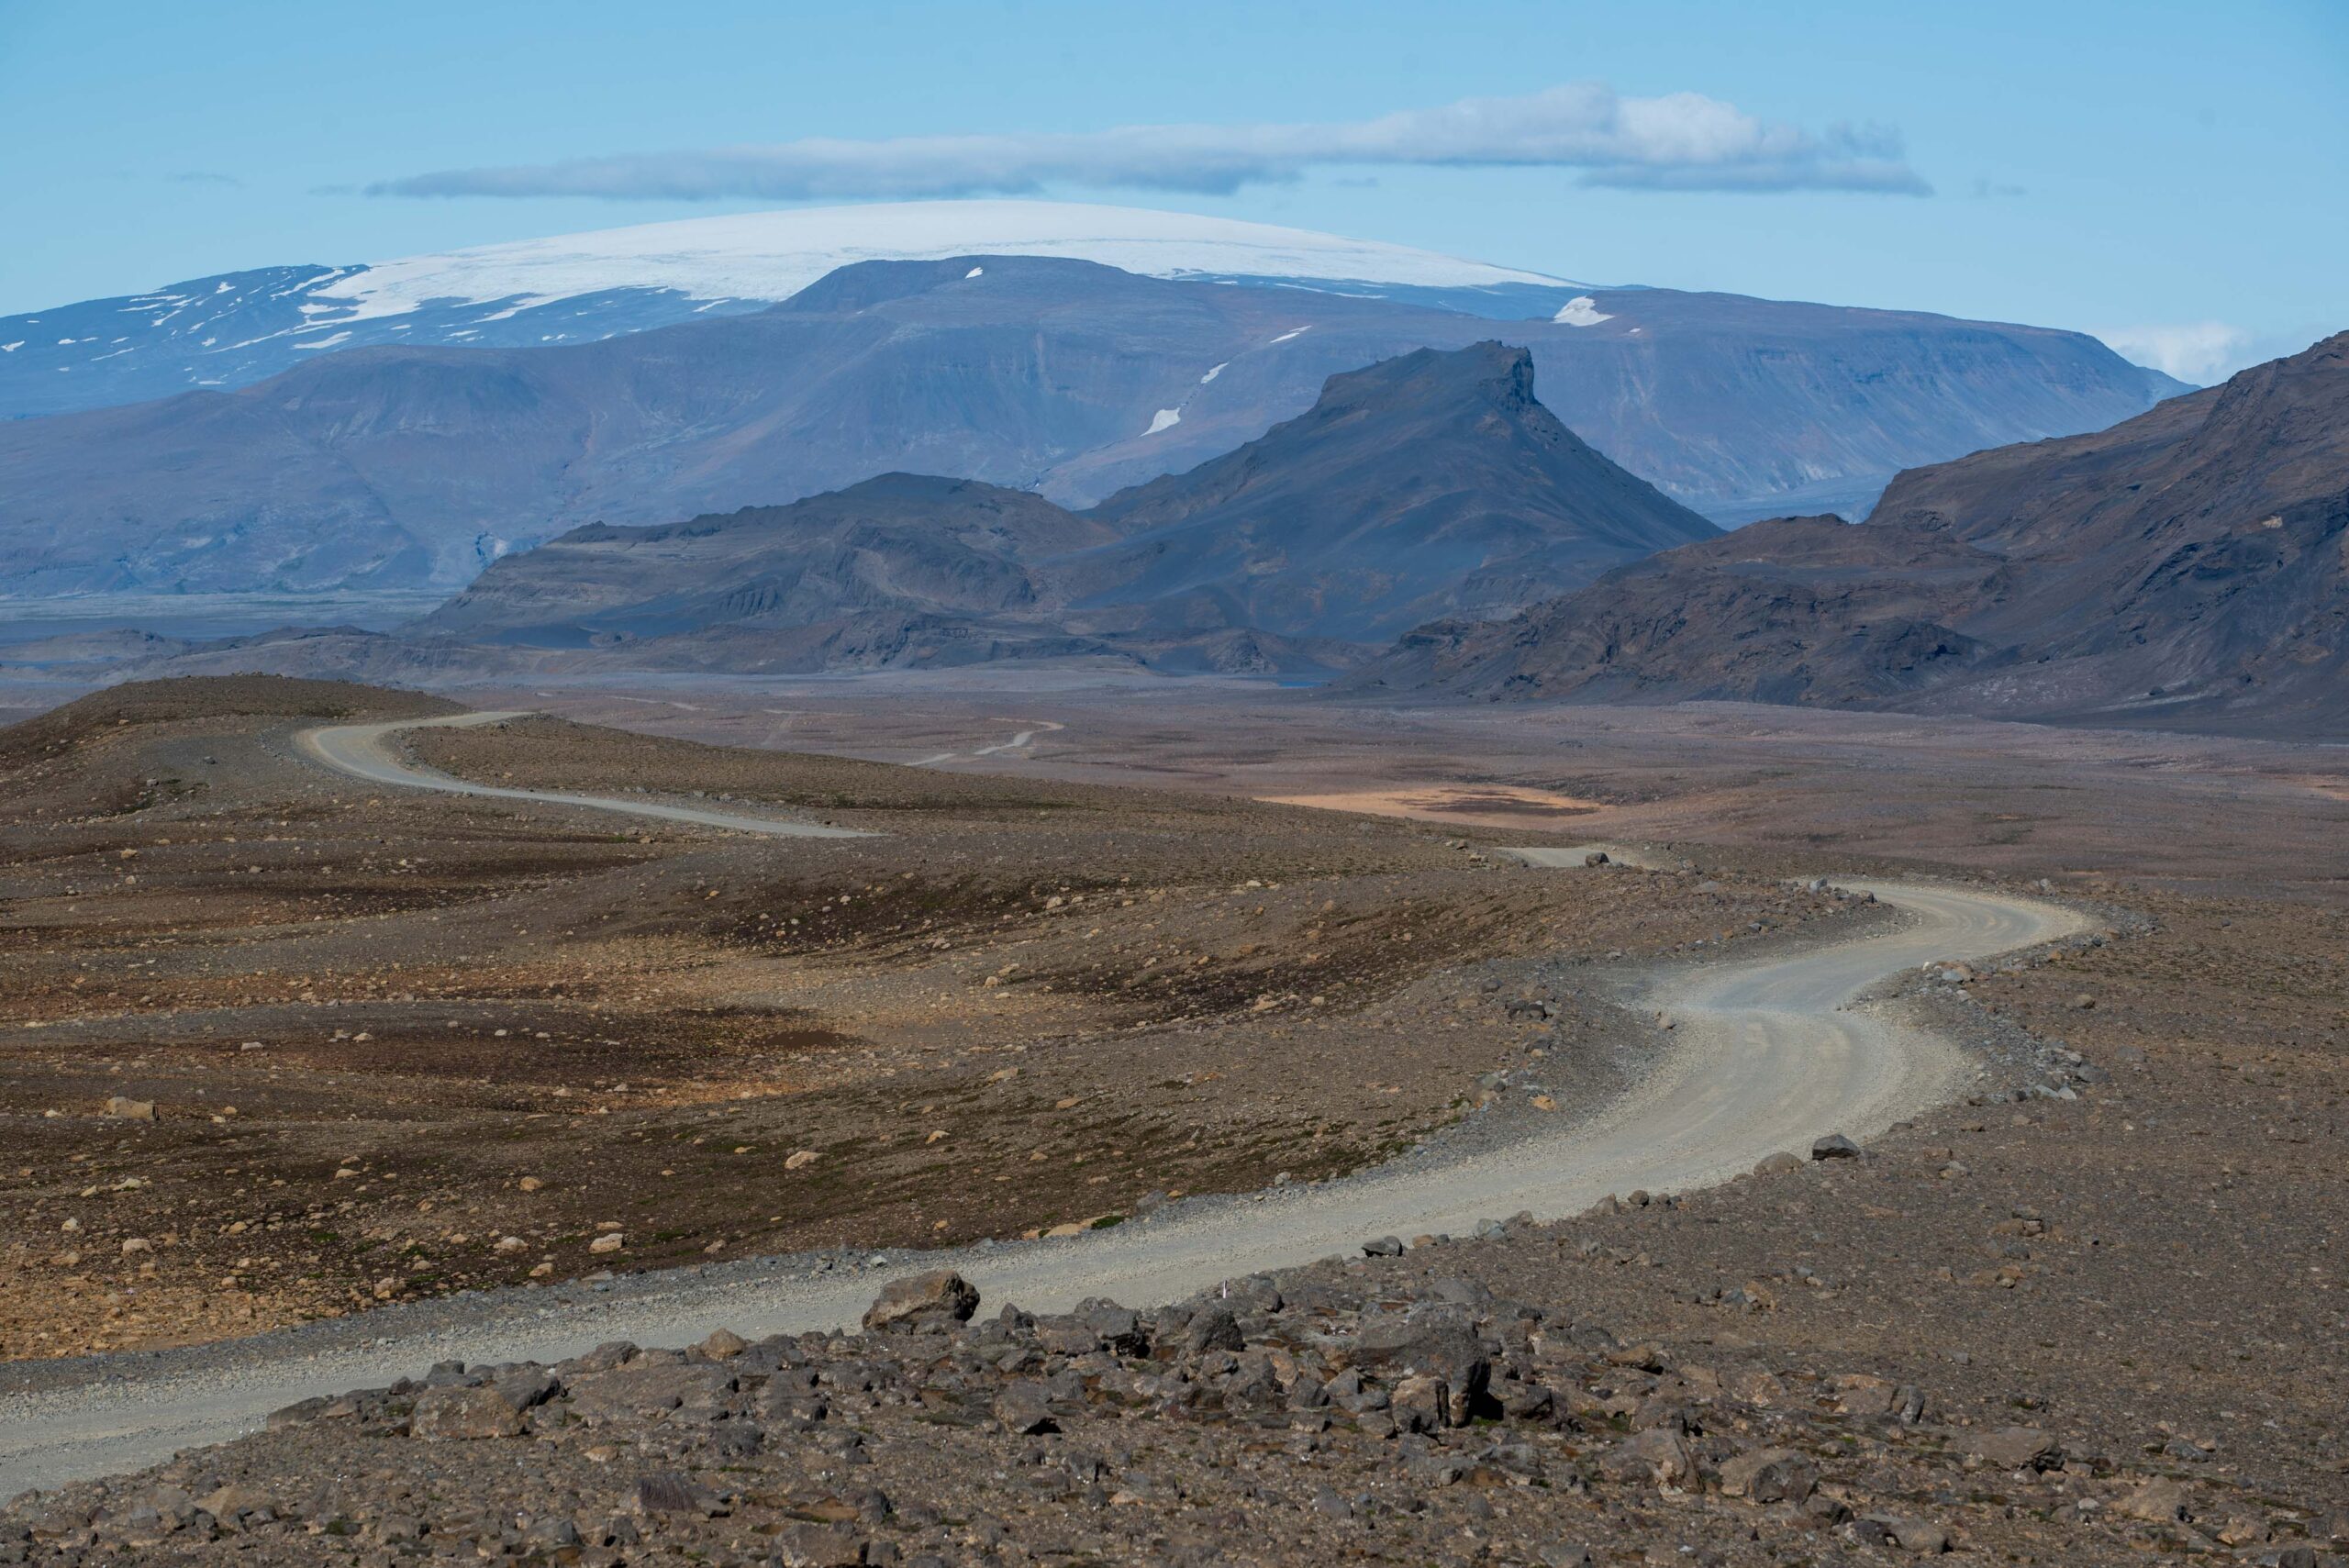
(1432, 480)
(236, 328)
(405, 467)
(902, 548)
(1429, 484)
(2188, 566)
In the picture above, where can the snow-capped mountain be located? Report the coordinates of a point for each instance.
(239, 327)
(412, 465)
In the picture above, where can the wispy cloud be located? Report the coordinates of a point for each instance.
(203, 177)
(2199, 352)
(1682, 142)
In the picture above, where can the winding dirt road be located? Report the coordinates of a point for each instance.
(358, 751)
(1767, 1056)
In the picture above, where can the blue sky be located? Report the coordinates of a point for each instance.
(2172, 175)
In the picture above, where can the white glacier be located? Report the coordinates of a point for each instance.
(774, 255)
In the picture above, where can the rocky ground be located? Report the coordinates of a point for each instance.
(2093, 1316)
(280, 1047)
(1553, 1394)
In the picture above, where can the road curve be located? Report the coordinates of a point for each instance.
(1765, 1057)
(358, 751)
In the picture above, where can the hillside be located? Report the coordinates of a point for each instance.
(1429, 484)
(414, 466)
(1434, 480)
(2188, 566)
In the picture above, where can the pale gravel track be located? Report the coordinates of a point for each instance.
(1765, 1057)
(358, 751)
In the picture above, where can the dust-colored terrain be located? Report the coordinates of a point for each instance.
(398, 1044)
(2097, 1323)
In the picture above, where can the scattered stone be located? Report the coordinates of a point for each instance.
(1657, 1455)
(130, 1110)
(1025, 1408)
(1781, 1164)
(2018, 1448)
(232, 1503)
(1834, 1146)
(1383, 1247)
(461, 1414)
(667, 1492)
(1770, 1475)
(1921, 1536)
(819, 1546)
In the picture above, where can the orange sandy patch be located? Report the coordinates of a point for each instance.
(1486, 805)
(2334, 788)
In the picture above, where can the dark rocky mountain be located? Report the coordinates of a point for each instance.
(1432, 482)
(1429, 484)
(2189, 567)
(393, 466)
(905, 569)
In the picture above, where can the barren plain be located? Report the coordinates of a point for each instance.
(280, 1047)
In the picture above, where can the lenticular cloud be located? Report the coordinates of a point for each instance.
(1678, 141)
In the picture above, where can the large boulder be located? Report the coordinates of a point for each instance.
(1430, 1341)
(458, 1413)
(648, 1388)
(931, 1303)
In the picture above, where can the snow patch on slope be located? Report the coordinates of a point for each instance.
(1580, 311)
(774, 255)
(1164, 419)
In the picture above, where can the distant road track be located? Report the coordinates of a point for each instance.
(1767, 1056)
(358, 751)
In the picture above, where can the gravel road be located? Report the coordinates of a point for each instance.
(358, 751)
(1766, 1056)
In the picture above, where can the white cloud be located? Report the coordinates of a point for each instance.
(2199, 352)
(1678, 141)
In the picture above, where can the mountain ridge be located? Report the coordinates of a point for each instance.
(406, 467)
(1440, 472)
(2188, 566)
